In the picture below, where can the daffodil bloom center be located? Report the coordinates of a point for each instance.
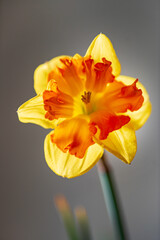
(86, 97)
(87, 103)
(93, 103)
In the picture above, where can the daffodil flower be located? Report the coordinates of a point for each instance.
(90, 106)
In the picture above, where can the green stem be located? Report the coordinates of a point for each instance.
(111, 198)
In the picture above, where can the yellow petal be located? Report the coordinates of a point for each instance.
(42, 71)
(67, 165)
(121, 143)
(138, 118)
(101, 47)
(33, 111)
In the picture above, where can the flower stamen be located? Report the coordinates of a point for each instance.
(86, 97)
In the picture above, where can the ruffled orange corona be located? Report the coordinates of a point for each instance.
(90, 106)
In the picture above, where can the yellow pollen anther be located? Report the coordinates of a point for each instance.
(86, 97)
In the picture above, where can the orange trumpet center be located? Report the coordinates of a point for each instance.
(90, 99)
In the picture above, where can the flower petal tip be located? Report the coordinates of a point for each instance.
(33, 111)
(101, 47)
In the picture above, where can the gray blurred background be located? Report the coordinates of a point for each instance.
(32, 32)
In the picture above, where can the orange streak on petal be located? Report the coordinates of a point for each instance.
(134, 95)
(51, 76)
(106, 122)
(74, 136)
(52, 86)
(69, 76)
(118, 97)
(56, 103)
(97, 75)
